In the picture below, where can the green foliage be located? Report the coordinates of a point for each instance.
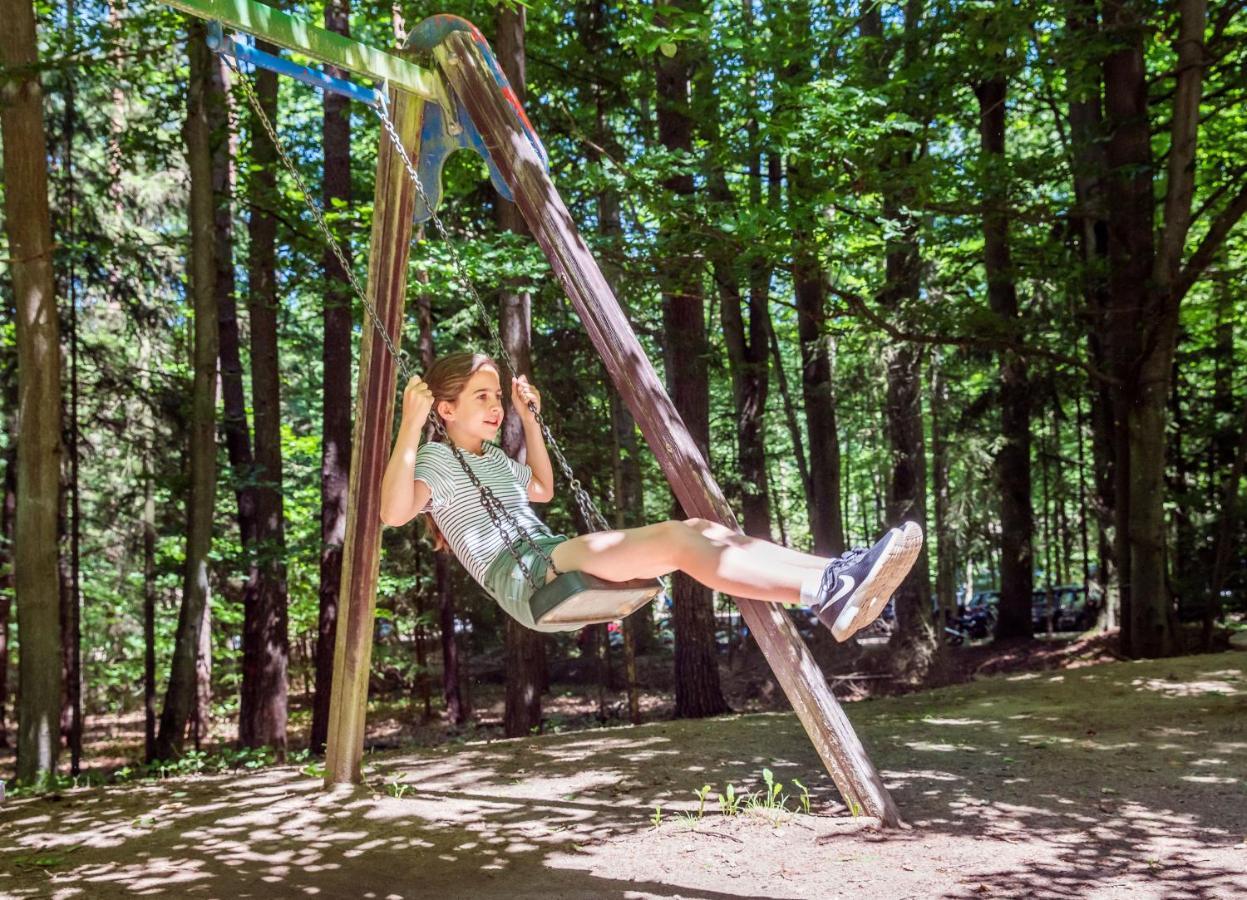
(772, 92)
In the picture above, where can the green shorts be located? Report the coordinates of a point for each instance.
(506, 583)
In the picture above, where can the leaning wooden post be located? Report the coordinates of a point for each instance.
(682, 463)
(390, 248)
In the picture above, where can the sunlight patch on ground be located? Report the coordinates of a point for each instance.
(1186, 688)
(929, 747)
(1231, 674)
(1230, 747)
(1166, 731)
(920, 774)
(933, 720)
(1039, 741)
(1111, 747)
(1210, 779)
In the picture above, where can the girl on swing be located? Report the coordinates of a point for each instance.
(464, 389)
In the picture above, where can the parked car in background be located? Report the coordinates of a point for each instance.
(978, 620)
(1067, 606)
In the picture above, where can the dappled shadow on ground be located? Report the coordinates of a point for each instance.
(1119, 780)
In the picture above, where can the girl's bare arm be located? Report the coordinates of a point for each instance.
(402, 497)
(541, 488)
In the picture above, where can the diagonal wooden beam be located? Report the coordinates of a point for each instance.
(633, 374)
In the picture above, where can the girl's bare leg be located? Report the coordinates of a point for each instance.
(714, 555)
(779, 553)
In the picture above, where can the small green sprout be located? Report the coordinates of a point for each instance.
(701, 799)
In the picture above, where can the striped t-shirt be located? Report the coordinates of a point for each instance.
(456, 504)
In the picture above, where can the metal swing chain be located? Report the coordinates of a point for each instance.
(593, 518)
(497, 511)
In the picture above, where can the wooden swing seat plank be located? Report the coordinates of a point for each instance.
(578, 599)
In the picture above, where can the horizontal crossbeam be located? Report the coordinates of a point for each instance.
(292, 33)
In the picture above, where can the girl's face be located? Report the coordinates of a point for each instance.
(476, 413)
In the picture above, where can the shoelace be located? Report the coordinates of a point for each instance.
(838, 565)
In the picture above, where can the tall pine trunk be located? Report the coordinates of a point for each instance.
(1152, 621)
(1013, 463)
(915, 644)
(629, 502)
(945, 543)
(1090, 224)
(1147, 283)
(524, 648)
(335, 456)
(180, 693)
(747, 348)
(71, 619)
(262, 711)
(235, 425)
(35, 549)
(810, 288)
(443, 589)
(697, 688)
(8, 513)
(150, 712)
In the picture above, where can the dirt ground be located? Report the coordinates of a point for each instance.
(1112, 780)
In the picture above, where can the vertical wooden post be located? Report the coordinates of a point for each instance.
(682, 463)
(390, 248)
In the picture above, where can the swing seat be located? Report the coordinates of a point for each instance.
(578, 598)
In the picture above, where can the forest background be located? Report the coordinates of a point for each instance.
(978, 265)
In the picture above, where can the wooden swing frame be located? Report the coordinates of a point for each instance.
(468, 71)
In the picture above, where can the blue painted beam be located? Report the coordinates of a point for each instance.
(245, 52)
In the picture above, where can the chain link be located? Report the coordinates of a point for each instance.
(588, 509)
(512, 531)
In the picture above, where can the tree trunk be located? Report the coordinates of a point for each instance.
(629, 482)
(1013, 462)
(335, 458)
(29, 231)
(1152, 623)
(180, 694)
(1130, 253)
(66, 593)
(810, 289)
(149, 613)
(945, 544)
(697, 688)
(1226, 530)
(235, 426)
(1146, 288)
(443, 589)
(1090, 221)
(524, 648)
(262, 711)
(629, 511)
(1222, 439)
(456, 711)
(8, 512)
(790, 419)
(746, 352)
(201, 721)
(72, 620)
(915, 639)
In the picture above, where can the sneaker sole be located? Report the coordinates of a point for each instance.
(868, 601)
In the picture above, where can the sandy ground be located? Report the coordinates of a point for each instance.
(1117, 780)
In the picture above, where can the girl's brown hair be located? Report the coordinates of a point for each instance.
(446, 379)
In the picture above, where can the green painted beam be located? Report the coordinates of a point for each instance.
(300, 35)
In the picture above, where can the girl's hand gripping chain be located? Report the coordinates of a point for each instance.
(417, 402)
(523, 393)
